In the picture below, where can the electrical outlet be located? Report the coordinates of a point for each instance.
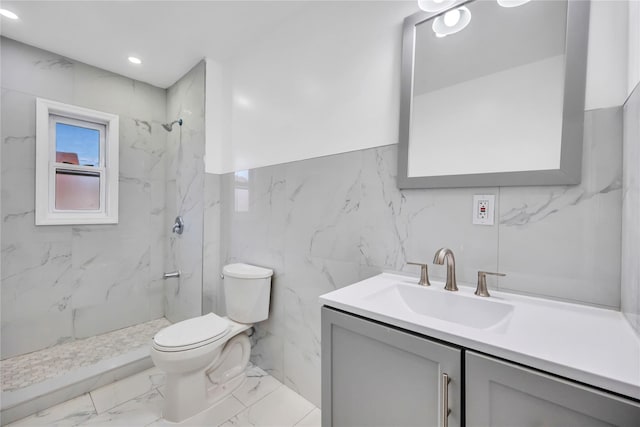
(483, 207)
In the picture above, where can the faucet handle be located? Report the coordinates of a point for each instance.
(424, 274)
(481, 289)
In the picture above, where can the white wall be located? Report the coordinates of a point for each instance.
(328, 82)
(634, 45)
(322, 83)
(607, 54)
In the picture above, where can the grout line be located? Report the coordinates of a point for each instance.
(93, 403)
(262, 398)
(305, 415)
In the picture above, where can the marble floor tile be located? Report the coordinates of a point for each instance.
(283, 407)
(313, 419)
(214, 416)
(258, 385)
(138, 412)
(69, 413)
(137, 401)
(126, 389)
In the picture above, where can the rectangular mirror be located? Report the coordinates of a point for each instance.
(499, 102)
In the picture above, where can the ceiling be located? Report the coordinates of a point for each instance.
(169, 37)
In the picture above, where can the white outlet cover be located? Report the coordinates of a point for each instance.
(483, 209)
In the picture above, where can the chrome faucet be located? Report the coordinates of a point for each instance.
(442, 255)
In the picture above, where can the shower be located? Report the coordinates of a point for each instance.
(169, 126)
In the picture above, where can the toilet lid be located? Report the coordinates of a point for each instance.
(192, 332)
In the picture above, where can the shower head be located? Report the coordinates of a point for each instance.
(169, 126)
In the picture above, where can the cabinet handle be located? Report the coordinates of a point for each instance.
(445, 400)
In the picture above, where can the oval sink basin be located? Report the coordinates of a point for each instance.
(471, 311)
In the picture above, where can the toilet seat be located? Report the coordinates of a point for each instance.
(191, 333)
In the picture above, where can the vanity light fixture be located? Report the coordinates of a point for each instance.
(8, 14)
(135, 60)
(434, 5)
(512, 3)
(451, 22)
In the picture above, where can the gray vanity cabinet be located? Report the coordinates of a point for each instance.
(499, 394)
(376, 375)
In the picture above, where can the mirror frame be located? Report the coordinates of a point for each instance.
(570, 170)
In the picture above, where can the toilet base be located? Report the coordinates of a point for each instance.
(188, 394)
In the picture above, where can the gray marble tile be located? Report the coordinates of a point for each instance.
(24, 334)
(282, 407)
(119, 392)
(141, 411)
(313, 419)
(70, 413)
(630, 291)
(37, 72)
(184, 162)
(106, 91)
(257, 386)
(267, 351)
(343, 220)
(564, 242)
(211, 263)
(50, 271)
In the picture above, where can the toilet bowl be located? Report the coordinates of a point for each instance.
(205, 358)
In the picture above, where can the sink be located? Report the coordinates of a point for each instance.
(468, 310)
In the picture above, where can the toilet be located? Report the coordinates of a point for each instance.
(205, 358)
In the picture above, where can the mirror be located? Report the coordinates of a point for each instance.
(497, 103)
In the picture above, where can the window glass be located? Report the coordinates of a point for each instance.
(77, 145)
(241, 191)
(77, 190)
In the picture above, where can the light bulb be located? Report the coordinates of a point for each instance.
(8, 14)
(135, 60)
(434, 5)
(512, 3)
(451, 22)
(452, 17)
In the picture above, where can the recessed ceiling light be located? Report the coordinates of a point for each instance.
(8, 14)
(135, 60)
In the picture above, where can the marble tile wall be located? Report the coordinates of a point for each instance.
(185, 194)
(211, 267)
(631, 211)
(327, 222)
(65, 282)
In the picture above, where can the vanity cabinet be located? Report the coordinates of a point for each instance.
(376, 375)
(500, 393)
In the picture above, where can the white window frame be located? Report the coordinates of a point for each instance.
(48, 113)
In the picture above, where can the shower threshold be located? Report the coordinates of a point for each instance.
(38, 380)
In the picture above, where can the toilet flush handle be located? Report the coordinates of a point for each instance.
(171, 275)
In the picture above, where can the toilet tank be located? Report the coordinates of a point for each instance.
(247, 290)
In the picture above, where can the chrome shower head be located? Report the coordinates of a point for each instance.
(169, 126)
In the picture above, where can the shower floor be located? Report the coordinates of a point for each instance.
(32, 368)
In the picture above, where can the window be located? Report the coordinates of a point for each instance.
(241, 191)
(76, 165)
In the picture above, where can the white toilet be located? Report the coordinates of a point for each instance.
(205, 358)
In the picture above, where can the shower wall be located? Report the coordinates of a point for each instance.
(61, 282)
(185, 194)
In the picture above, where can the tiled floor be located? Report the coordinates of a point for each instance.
(32, 368)
(137, 401)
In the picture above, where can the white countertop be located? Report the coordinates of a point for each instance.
(592, 345)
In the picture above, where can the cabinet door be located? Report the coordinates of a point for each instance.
(377, 375)
(503, 394)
